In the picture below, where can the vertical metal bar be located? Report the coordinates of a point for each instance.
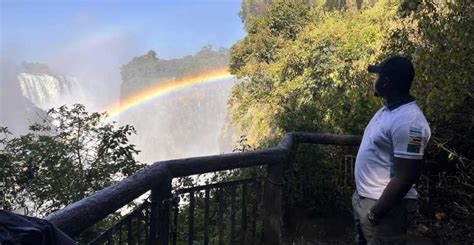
(138, 224)
(243, 220)
(109, 237)
(120, 234)
(339, 171)
(254, 209)
(175, 222)
(147, 225)
(206, 217)
(349, 179)
(164, 213)
(129, 230)
(220, 216)
(352, 169)
(232, 215)
(191, 219)
(345, 173)
(153, 223)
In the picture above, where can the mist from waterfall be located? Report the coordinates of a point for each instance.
(185, 123)
(29, 90)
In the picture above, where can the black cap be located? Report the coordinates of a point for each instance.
(396, 68)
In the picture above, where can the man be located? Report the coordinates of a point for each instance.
(389, 157)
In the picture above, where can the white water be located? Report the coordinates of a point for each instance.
(47, 91)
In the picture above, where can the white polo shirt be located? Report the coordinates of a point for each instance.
(403, 133)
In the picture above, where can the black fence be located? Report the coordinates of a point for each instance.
(247, 211)
(321, 176)
(131, 229)
(219, 213)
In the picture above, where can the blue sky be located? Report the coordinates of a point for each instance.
(54, 31)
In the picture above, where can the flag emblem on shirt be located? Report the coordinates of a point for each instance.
(414, 140)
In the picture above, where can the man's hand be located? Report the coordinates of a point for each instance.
(405, 175)
(372, 218)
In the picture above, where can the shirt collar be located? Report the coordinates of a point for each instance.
(397, 104)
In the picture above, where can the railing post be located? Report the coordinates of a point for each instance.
(272, 204)
(160, 213)
(152, 236)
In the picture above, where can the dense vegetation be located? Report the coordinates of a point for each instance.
(303, 68)
(63, 159)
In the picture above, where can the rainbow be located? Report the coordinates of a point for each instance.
(166, 87)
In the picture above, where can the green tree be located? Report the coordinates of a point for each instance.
(438, 36)
(63, 159)
(307, 72)
(308, 75)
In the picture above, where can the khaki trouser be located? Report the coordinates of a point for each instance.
(391, 229)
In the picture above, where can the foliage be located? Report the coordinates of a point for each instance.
(294, 79)
(439, 39)
(253, 9)
(308, 73)
(63, 159)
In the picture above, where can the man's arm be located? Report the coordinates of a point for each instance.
(405, 175)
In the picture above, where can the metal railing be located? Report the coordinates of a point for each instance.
(80, 215)
(236, 192)
(132, 229)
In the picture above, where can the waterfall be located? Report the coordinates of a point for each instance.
(47, 91)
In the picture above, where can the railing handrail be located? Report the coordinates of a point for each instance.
(214, 186)
(80, 215)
